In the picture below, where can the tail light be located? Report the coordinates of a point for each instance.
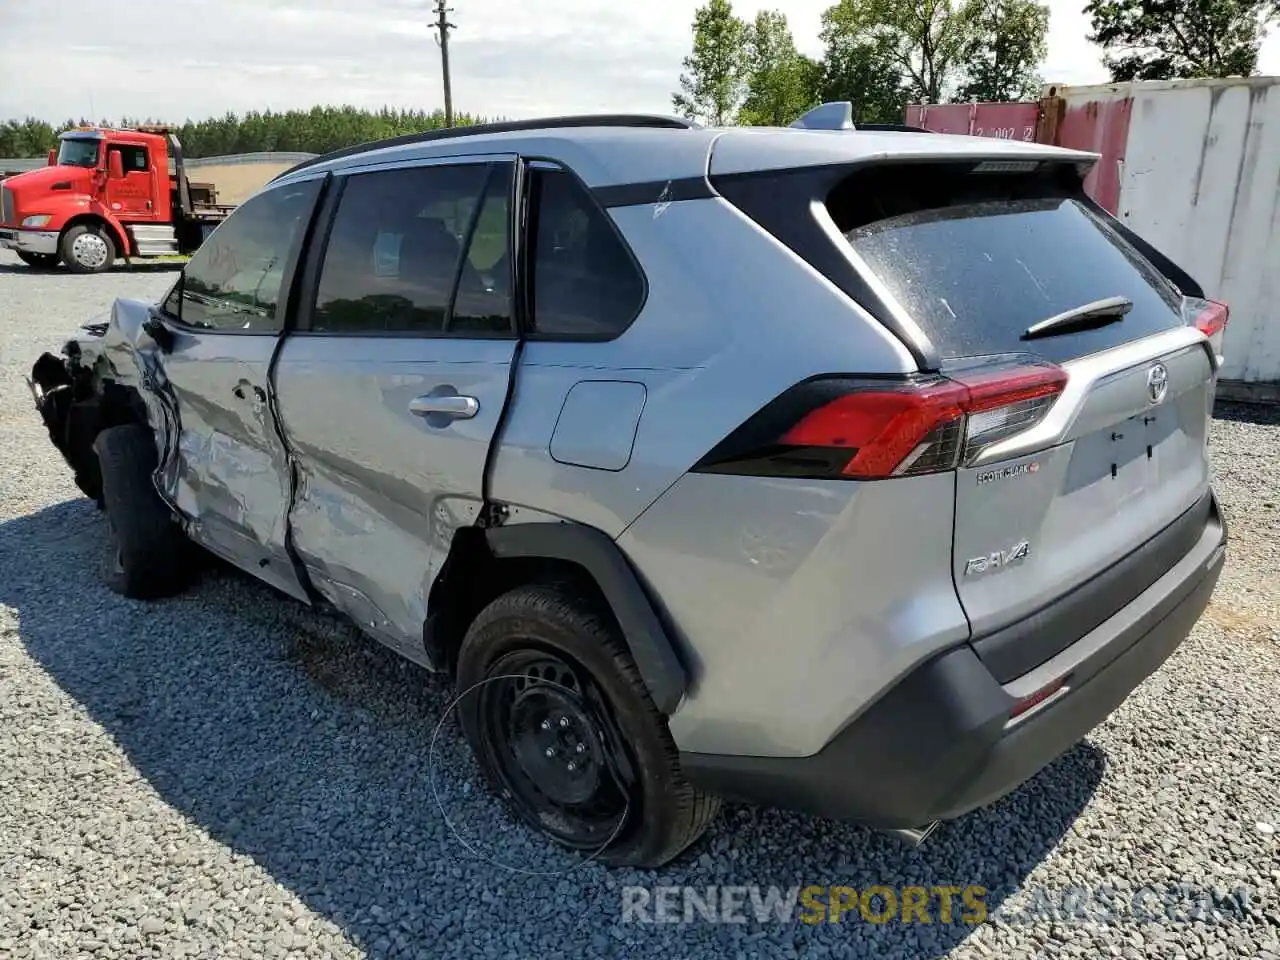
(1210, 318)
(833, 428)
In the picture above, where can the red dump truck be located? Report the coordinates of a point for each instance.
(107, 193)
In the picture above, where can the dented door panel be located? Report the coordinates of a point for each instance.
(229, 472)
(380, 489)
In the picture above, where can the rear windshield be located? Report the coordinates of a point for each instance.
(978, 258)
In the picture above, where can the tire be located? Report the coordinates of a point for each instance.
(38, 261)
(524, 631)
(149, 555)
(87, 248)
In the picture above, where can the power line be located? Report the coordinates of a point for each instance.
(443, 25)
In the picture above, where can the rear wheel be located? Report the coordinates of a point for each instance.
(87, 248)
(41, 261)
(564, 729)
(149, 556)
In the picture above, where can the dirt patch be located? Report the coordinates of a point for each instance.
(1240, 621)
(236, 182)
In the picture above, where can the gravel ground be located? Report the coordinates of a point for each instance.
(226, 774)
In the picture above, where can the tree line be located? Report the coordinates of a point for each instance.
(317, 130)
(884, 54)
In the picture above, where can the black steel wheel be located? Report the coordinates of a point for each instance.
(564, 729)
(547, 733)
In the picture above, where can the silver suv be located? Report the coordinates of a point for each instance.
(856, 471)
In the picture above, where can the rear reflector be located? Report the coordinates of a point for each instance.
(835, 428)
(1040, 696)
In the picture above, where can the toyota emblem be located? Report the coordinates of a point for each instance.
(1157, 383)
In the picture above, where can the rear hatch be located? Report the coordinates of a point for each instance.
(1076, 499)
(1080, 497)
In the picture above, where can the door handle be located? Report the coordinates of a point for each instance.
(452, 407)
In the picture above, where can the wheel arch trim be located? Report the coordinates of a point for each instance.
(646, 636)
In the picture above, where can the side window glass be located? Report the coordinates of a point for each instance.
(483, 300)
(172, 303)
(397, 247)
(585, 282)
(233, 282)
(133, 158)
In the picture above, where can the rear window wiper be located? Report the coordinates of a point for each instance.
(1099, 313)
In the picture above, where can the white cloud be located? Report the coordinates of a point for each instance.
(172, 59)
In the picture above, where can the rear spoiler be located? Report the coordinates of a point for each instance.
(1185, 283)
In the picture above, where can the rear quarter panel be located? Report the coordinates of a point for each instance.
(732, 319)
(797, 602)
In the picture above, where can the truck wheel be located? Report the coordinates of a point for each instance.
(87, 248)
(564, 729)
(40, 261)
(149, 555)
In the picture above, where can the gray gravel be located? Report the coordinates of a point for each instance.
(226, 774)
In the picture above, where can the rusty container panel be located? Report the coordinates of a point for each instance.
(1002, 121)
(1098, 121)
(1006, 121)
(940, 117)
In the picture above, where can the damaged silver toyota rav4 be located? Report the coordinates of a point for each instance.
(860, 472)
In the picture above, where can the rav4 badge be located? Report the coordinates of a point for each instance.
(998, 560)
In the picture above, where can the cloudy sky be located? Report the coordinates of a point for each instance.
(172, 59)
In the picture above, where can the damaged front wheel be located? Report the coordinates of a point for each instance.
(149, 556)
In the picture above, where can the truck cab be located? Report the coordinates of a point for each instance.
(106, 193)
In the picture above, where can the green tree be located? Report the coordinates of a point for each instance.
(26, 138)
(860, 67)
(1005, 44)
(781, 82)
(922, 40)
(1164, 39)
(317, 130)
(712, 82)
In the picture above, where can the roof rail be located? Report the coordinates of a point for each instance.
(893, 128)
(507, 126)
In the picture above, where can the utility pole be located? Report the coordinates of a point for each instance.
(444, 26)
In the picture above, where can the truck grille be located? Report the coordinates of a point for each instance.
(6, 207)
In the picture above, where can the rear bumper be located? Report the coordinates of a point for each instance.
(940, 743)
(29, 241)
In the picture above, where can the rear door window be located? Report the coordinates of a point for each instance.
(976, 259)
(419, 250)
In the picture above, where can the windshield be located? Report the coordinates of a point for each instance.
(78, 153)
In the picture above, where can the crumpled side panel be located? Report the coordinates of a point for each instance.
(222, 463)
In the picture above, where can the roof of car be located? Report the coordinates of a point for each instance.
(610, 150)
